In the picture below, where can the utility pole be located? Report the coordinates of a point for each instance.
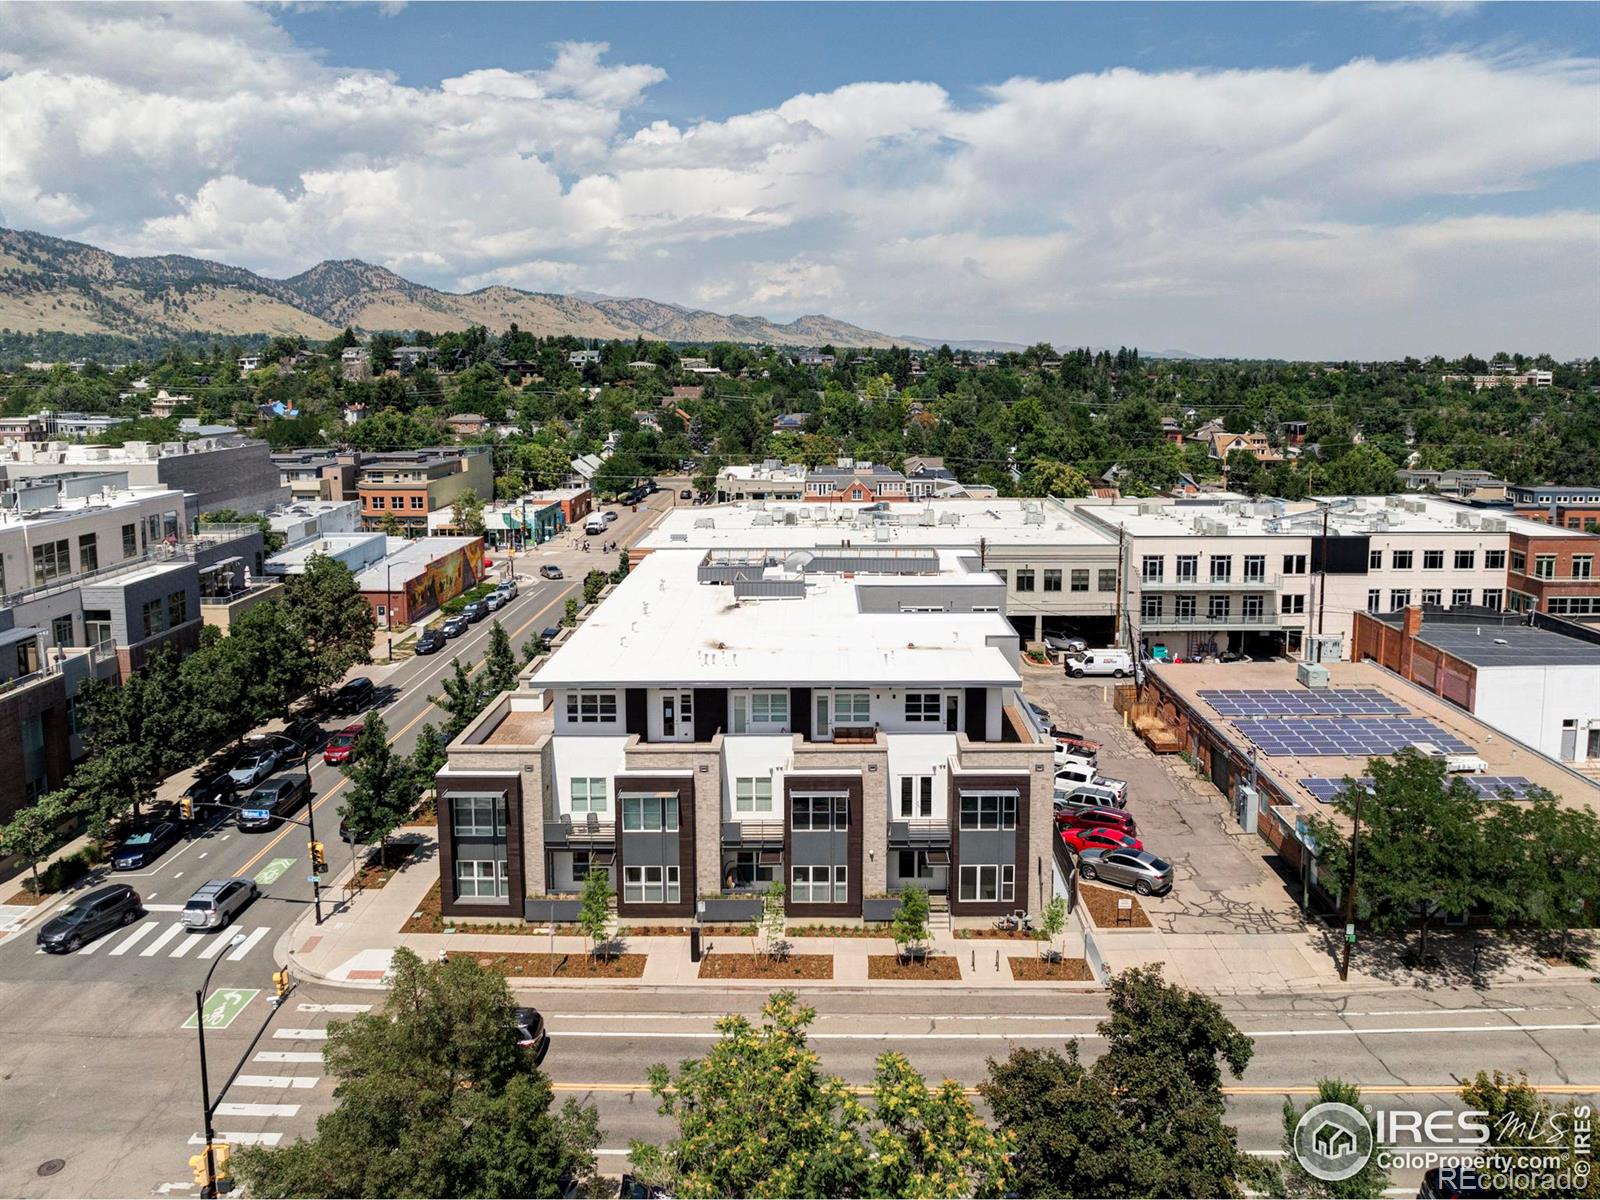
(1350, 891)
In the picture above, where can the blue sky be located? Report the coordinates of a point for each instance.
(1317, 179)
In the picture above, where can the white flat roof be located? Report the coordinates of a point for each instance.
(954, 523)
(410, 556)
(1403, 513)
(662, 627)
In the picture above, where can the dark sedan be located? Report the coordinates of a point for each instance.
(145, 847)
(99, 912)
(531, 1033)
(431, 641)
(454, 627)
(474, 611)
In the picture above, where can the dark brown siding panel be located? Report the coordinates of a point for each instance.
(710, 713)
(851, 786)
(511, 907)
(800, 711)
(688, 886)
(997, 783)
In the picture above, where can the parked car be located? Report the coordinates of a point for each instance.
(1040, 713)
(1091, 794)
(550, 632)
(211, 790)
(304, 732)
(507, 588)
(1115, 819)
(254, 765)
(1080, 840)
(1072, 739)
(266, 806)
(651, 487)
(1076, 771)
(143, 848)
(610, 515)
(217, 903)
(550, 571)
(1117, 663)
(101, 911)
(474, 611)
(454, 627)
(1138, 869)
(495, 601)
(355, 695)
(430, 640)
(531, 1033)
(685, 494)
(1065, 753)
(341, 746)
(1065, 644)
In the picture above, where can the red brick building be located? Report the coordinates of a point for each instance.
(1554, 574)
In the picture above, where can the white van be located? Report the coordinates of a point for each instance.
(595, 524)
(1100, 662)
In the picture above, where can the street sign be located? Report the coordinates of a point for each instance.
(223, 1005)
(273, 871)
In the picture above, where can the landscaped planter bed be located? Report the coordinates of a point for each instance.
(759, 966)
(563, 966)
(927, 970)
(1102, 905)
(1066, 970)
(1020, 935)
(376, 872)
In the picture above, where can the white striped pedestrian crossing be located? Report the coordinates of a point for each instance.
(239, 1139)
(163, 907)
(229, 1108)
(133, 939)
(154, 947)
(276, 1081)
(301, 1035)
(248, 944)
(287, 1056)
(217, 946)
(188, 944)
(334, 1008)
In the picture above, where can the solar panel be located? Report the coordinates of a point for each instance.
(1299, 702)
(1328, 737)
(1487, 786)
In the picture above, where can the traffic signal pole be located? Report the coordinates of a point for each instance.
(311, 828)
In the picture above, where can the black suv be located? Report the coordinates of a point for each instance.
(430, 641)
(474, 611)
(265, 806)
(99, 912)
(215, 789)
(355, 695)
(143, 848)
(304, 732)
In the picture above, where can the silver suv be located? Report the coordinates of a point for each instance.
(217, 903)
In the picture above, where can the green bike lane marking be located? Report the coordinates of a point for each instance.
(273, 871)
(223, 1005)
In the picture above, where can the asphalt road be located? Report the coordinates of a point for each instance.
(95, 1066)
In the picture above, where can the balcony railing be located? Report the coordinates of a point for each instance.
(1233, 620)
(752, 833)
(1262, 583)
(919, 831)
(590, 829)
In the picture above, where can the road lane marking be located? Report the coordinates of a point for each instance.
(288, 1056)
(188, 944)
(301, 1035)
(334, 1008)
(161, 907)
(154, 947)
(97, 944)
(249, 943)
(276, 1081)
(222, 1006)
(273, 871)
(217, 946)
(133, 939)
(230, 1108)
(178, 876)
(239, 1139)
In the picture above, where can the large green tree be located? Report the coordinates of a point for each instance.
(435, 1098)
(383, 790)
(335, 622)
(36, 832)
(499, 663)
(1532, 1143)
(135, 735)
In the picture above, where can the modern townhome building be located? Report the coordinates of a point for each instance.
(408, 485)
(223, 472)
(1059, 569)
(1532, 676)
(1562, 506)
(319, 474)
(844, 720)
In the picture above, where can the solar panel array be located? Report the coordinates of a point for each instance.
(1327, 737)
(1487, 786)
(1300, 702)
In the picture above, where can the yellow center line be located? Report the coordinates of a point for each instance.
(394, 737)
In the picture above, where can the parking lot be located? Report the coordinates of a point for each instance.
(1224, 881)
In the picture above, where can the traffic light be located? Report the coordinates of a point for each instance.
(220, 1152)
(319, 859)
(206, 1179)
(197, 1164)
(186, 808)
(280, 980)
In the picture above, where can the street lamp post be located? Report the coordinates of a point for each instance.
(388, 609)
(311, 831)
(210, 1190)
(1350, 891)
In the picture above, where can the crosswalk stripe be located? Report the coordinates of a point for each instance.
(231, 1109)
(162, 907)
(334, 1008)
(134, 938)
(288, 1056)
(239, 1139)
(276, 1081)
(185, 946)
(217, 946)
(248, 944)
(91, 947)
(154, 947)
(301, 1035)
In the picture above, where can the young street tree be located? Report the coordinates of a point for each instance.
(436, 1098)
(499, 663)
(463, 698)
(383, 792)
(773, 918)
(336, 625)
(34, 833)
(469, 514)
(594, 908)
(1053, 923)
(593, 584)
(427, 757)
(910, 924)
(1294, 1180)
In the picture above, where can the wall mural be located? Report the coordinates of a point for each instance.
(444, 579)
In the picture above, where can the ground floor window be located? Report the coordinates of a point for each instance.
(743, 870)
(481, 879)
(820, 885)
(650, 885)
(988, 881)
(913, 864)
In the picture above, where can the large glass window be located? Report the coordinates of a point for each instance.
(1150, 607)
(650, 885)
(1400, 560)
(481, 879)
(988, 810)
(1218, 607)
(1460, 596)
(154, 617)
(1294, 564)
(1221, 568)
(819, 814)
(820, 885)
(1188, 568)
(1106, 581)
(50, 560)
(1494, 560)
(1252, 607)
(1399, 598)
(649, 814)
(1183, 608)
(988, 882)
(591, 708)
(478, 816)
(61, 630)
(1466, 559)
(1080, 580)
(1582, 566)
(1433, 596)
(590, 795)
(1052, 581)
(1255, 568)
(88, 552)
(1433, 560)
(97, 627)
(177, 609)
(852, 708)
(916, 796)
(1152, 567)
(130, 541)
(1024, 579)
(752, 795)
(922, 706)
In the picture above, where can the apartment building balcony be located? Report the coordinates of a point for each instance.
(1233, 620)
(1202, 584)
(582, 830)
(752, 834)
(920, 833)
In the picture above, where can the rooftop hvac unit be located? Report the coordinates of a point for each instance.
(1311, 675)
(1464, 520)
(1325, 647)
(761, 518)
(1150, 508)
(1493, 525)
(1456, 764)
(927, 518)
(705, 523)
(1033, 518)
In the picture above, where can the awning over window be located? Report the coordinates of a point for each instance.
(938, 858)
(770, 858)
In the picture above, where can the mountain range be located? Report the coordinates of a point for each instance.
(49, 285)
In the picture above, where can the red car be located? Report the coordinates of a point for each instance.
(342, 746)
(1115, 820)
(1100, 839)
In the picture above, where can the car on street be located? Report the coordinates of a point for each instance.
(254, 765)
(1118, 820)
(495, 601)
(1116, 663)
(686, 494)
(265, 807)
(507, 588)
(610, 515)
(341, 746)
(474, 611)
(454, 627)
(211, 790)
(304, 732)
(1079, 840)
(531, 1033)
(355, 695)
(218, 902)
(430, 641)
(550, 632)
(101, 911)
(1138, 869)
(143, 848)
(1089, 795)
(550, 571)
